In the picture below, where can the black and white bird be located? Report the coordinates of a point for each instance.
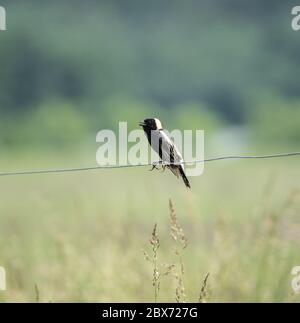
(165, 148)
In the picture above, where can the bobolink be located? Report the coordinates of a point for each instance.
(164, 147)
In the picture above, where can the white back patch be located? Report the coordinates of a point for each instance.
(158, 124)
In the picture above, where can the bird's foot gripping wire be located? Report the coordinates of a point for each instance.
(156, 164)
(153, 167)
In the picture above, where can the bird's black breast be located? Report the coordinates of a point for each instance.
(148, 134)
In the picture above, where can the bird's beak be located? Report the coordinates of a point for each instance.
(142, 124)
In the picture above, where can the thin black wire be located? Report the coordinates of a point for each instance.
(80, 169)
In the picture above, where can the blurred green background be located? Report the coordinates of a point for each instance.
(71, 68)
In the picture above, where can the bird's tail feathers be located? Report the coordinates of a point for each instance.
(185, 179)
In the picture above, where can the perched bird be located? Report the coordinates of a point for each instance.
(164, 147)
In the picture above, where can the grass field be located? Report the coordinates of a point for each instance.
(81, 236)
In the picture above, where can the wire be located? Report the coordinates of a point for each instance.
(80, 169)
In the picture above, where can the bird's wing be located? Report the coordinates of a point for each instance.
(168, 152)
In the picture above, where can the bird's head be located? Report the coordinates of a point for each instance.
(151, 124)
